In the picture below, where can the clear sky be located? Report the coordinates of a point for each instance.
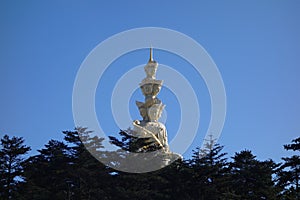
(255, 44)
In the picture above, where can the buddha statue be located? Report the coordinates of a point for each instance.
(149, 129)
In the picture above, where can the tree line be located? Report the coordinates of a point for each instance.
(66, 170)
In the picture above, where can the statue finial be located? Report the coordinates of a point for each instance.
(151, 55)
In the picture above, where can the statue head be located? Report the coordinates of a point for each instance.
(156, 89)
(151, 69)
(155, 111)
(142, 109)
(147, 89)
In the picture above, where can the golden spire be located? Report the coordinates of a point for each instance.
(151, 56)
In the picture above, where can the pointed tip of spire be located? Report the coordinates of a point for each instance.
(151, 55)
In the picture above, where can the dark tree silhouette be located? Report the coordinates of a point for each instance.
(46, 173)
(90, 178)
(289, 174)
(67, 170)
(295, 146)
(209, 172)
(250, 178)
(11, 170)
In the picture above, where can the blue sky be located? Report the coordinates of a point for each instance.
(255, 45)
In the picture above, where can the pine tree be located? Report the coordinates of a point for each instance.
(11, 170)
(46, 174)
(209, 172)
(68, 170)
(90, 178)
(289, 174)
(252, 179)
